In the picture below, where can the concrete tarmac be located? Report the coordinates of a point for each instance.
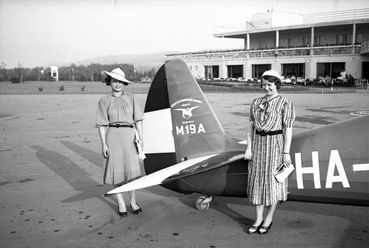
(52, 196)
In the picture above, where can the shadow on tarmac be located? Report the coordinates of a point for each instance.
(355, 235)
(87, 154)
(76, 177)
(81, 181)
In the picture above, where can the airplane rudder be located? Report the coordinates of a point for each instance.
(158, 139)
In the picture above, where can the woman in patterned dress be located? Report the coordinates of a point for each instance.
(271, 119)
(118, 115)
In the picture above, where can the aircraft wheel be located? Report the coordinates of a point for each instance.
(201, 204)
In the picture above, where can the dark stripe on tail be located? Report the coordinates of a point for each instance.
(157, 98)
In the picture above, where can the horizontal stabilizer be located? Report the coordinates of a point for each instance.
(214, 162)
(159, 176)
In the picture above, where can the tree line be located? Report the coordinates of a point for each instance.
(91, 72)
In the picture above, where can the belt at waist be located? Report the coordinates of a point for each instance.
(120, 125)
(263, 133)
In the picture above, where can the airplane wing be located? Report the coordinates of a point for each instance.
(159, 176)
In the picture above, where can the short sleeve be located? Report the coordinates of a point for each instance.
(288, 114)
(137, 113)
(102, 114)
(252, 117)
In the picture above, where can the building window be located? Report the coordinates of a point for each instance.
(258, 70)
(293, 70)
(235, 71)
(212, 71)
(260, 44)
(331, 70)
(359, 38)
(263, 44)
(285, 42)
(349, 39)
(365, 70)
(319, 40)
(306, 41)
(342, 39)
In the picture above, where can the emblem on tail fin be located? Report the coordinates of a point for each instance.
(187, 112)
(187, 107)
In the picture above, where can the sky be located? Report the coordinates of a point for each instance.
(40, 32)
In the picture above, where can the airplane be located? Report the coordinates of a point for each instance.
(192, 154)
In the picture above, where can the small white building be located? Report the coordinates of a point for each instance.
(54, 72)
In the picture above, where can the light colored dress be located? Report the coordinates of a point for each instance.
(122, 165)
(275, 114)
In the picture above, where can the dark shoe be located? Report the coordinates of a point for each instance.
(254, 229)
(122, 214)
(137, 211)
(265, 229)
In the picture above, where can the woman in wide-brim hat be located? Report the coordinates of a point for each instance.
(118, 115)
(271, 120)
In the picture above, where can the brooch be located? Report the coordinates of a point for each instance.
(263, 105)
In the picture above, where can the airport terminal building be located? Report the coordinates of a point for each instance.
(305, 46)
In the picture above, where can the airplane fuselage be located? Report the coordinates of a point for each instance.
(325, 171)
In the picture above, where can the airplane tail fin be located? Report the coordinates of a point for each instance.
(179, 123)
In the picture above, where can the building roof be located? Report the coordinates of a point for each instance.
(242, 33)
(277, 21)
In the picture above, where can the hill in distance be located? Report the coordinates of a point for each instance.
(140, 61)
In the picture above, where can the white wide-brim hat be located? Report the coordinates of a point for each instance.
(118, 74)
(271, 73)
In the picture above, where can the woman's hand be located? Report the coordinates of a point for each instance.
(286, 158)
(141, 155)
(105, 151)
(248, 154)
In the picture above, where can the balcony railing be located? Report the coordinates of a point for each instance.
(328, 50)
(337, 50)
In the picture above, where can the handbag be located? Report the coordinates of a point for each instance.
(140, 152)
(283, 171)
